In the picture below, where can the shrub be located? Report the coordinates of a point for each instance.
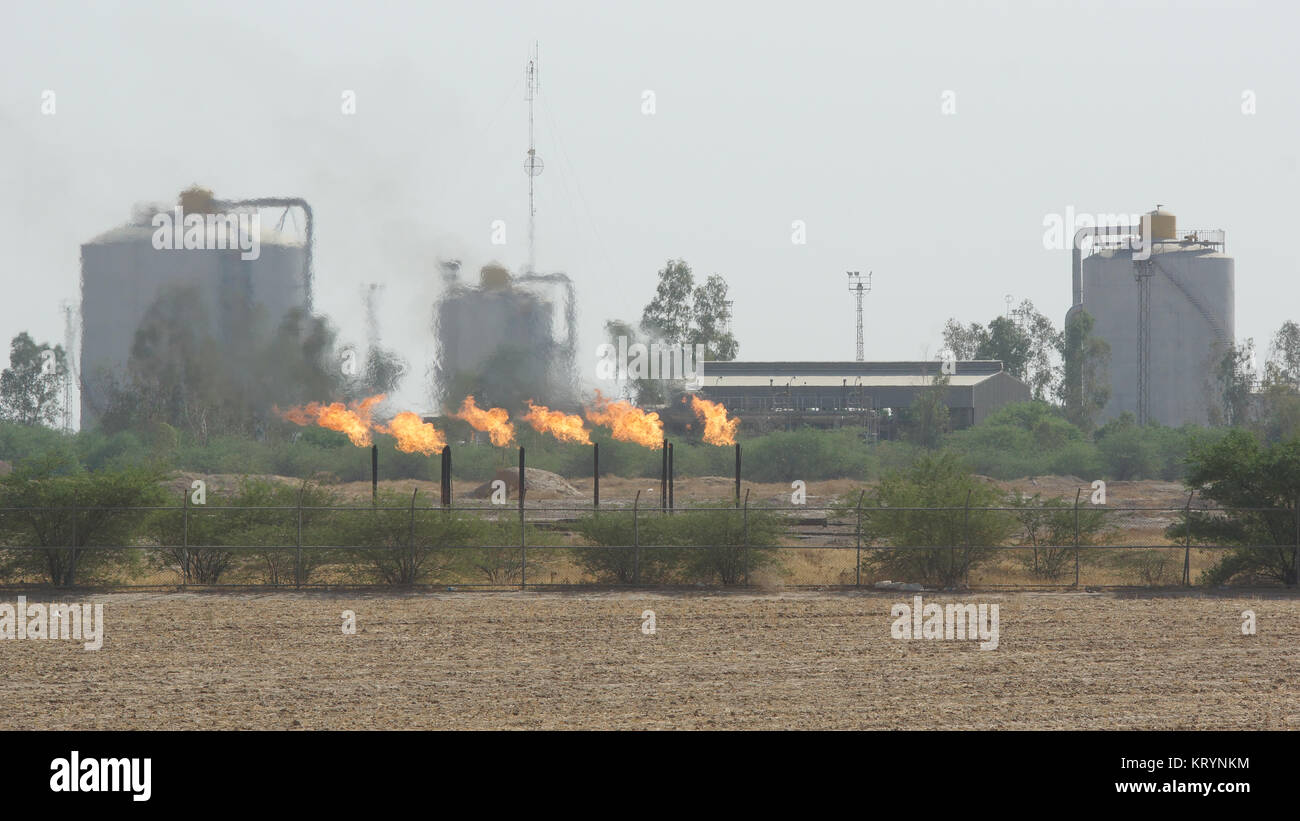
(700, 545)
(59, 506)
(937, 546)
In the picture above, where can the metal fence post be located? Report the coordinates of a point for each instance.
(297, 553)
(72, 565)
(636, 542)
(523, 547)
(185, 537)
(745, 538)
(1077, 491)
(965, 537)
(410, 536)
(1187, 542)
(857, 567)
(1295, 554)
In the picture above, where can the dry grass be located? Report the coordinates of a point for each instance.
(793, 660)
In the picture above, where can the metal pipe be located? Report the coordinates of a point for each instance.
(374, 473)
(737, 474)
(521, 479)
(670, 476)
(595, 475)
(663, 478)
(286, 202)
(446, 476)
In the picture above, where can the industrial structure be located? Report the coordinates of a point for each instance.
(1163, 299)
(508, 339)
(123, 274)
(786, 395)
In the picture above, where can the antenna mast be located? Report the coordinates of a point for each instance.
(533, 164)
(859, 287)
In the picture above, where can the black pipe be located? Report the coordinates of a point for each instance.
(446, 476)
(521, 479)
(737, 474)
(595, 474)
(663, 479)
(670, 476)
(374, 473)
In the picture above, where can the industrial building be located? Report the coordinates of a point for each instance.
(843, 394)
(123, 273)
(1168, 318)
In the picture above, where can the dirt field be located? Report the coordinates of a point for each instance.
(733, 661)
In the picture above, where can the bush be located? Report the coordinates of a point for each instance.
(1049, 526)
(686, 546)
(940, 546)
(59, 506)
(806, 453)
(196, 543)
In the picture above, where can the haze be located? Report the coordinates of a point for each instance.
(764, 114)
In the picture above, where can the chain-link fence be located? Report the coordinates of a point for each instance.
(553, 545)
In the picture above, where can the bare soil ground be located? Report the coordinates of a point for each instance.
(737, 661)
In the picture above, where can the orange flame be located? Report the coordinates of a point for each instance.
(563, 426)
(413, 434)
(494, 421)
(354, 420)
(627, 422)
(718, 429)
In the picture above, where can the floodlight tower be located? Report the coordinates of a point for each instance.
(860, 287)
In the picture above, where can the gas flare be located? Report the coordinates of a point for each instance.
(627, 422)
(718, 429)
(413, 434)
(563, 426)
(353, 420)
(494, 421)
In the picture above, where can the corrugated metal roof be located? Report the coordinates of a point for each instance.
(850, 370)
(709, 380)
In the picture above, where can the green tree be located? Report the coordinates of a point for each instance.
(1283, 365)
(1025, 342)
(669, 313)
(926, 421)
(1235, 380)
(1007, 342)
(1084, 386)
(1239, 473)
(1041, 373)
(711, 310)
(31, 388)
(964, 340)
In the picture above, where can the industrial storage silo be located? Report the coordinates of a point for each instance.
(1190, 316)
(123, 274)
(506, 340)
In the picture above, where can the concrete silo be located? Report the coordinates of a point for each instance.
(1180, 328)
(123, 273)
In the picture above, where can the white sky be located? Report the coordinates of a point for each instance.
(766, 113)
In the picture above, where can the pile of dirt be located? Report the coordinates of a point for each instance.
(539, 484)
